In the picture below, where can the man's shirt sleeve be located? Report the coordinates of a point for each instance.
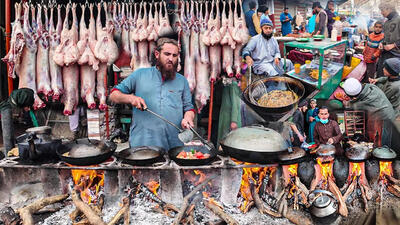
(127, 86)
(187, 98)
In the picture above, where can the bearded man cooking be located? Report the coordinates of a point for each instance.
(162, 90)
(262, 52)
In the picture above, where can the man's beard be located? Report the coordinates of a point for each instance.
(267, 36)
(168, 74)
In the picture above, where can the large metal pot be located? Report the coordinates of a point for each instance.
(324, 205)
(274, 83)
(358, 152)
(255, 144)
(33, 147)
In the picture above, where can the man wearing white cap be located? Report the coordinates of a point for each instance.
(262, 52)
(371, 99)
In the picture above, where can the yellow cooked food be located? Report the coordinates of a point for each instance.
(315, 73)
(277, 98)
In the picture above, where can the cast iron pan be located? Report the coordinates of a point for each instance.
(298, 155)
(173, 153)
(252, 156)
(141, 156)
(93, 156)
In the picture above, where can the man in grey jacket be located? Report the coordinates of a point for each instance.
(391, 29)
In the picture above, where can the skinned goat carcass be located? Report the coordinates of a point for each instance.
(227, 42)
(240, 33)
(67, 52)
(165, 27)
(125, 52)
(105, 50)
(42, 57)
(55, 70)
(100, 87)
(202, 92)
(117, 22)
(17, 43)
(70, 69)
(152, 29)
(213, 34)
(89, 64)
(27, 69)
(132, 43)
(141, 37)
(190, 44)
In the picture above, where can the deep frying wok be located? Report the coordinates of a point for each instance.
(141, 156)
(274, 83)
(173, 153)
(96, 152)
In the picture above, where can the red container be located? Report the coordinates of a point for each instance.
(339, 38)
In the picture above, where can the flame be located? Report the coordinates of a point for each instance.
(153, 186)
(385, 169)
(326, 169)
(89, 182)
(201, 178)
(293, 170)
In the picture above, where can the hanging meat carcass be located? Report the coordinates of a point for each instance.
(202, 92)
(152, 29)
(70, 71)
(164, 25)
(212, 38)
(27, 69)
(42, 57)
(227, 42)
(89, 64)
(240, 34)
(55, 70)
(125, 52)
(17, 43)
(190, 43)
(132, 18)
(117, 19)
(141, 35)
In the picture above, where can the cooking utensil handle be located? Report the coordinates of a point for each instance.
(162, 118)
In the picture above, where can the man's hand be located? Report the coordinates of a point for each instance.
(330, 141)
(138, 102)
(372, 81)
(301, 137)
(277, 61)
(311, 118)
(234, 126)
(380, 46)
(249, 61)
(389, 47)
(187, 120)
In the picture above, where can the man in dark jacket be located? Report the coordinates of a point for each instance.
(327, 131)
(391, 29)
(249, 18)
(297, 125)
(321, 20)
(330, 12)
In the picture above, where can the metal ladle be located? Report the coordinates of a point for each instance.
(184, 135)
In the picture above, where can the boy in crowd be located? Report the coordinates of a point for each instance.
(372, 52)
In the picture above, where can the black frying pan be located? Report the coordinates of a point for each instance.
(141, 156)
(252, 156)
(96, 152)
(173, 153)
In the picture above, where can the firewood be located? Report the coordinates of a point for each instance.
(27, 211)
(248, 207)
(83, 221)
(335, 191)
(260, 205)
(285, 208)
(393, 191)
(301, 186)
(397, 188)
(350, 189)
(74, 214)
(297, 217)
(187, 198)
(296, 200)
(86, 209)
(121, 212)
(304, 200)
(49, 210)
(392, 179)
(9, 217)
(127, 215)
(219, 212)
(364, 197)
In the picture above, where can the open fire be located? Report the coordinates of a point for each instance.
(89, 183)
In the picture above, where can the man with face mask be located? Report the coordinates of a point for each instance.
(327, 131)
(162, 90)
(262, 52)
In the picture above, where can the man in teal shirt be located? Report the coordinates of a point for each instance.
(163, 91)
(285, 19)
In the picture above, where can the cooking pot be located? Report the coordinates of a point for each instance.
(34, 147)
(274, 83)
(141, 156)
(254, 144)
(297, 155)
(324, 205)
(384, 153)
(358, 152)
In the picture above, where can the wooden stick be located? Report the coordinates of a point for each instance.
(335, 191)
(297, 217)
(397, 188)
(364, 197)
(127, 214)
(121, 212)
(98, 208)
(393, 191)
(301, 186)
(187, 198)
(248, 207)
(349, 190)
(86, 209)
(219, 212)
(392, 179)
(27, 211)
(260, 205)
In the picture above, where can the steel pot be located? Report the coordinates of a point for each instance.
(323, 205)
(274, 83)
(255, 144)
(358, 153)
(326, 150)
(32, 147)
(297, 155)
(384, 153)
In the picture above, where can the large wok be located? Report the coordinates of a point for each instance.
(173, 153)
(84, 152)
(274, 83)
(141, 156)
(254, 144)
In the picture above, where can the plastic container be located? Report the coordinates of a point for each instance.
(297, 68)
(308, 64)
(338, 26)
(354, 62)
(346, 71)
(334, 34)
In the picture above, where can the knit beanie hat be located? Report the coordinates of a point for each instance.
(352, 87)
(392, 65)
(265, 21)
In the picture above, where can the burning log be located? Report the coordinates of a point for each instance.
(335, 191)
(27, 211)
(301, 186)
(127, 216)
(350, 190)
(121, 212)
(219, 212)
(189, 215)
(392, 179)
(187, 198)
(90, 214)
(297, 217)
(364, 197)
(393, 190)
(262, 208)
(98, 208)
(9, 217)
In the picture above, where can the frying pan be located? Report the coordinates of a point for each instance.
(173, 153)
(141, 156)
(97, 152)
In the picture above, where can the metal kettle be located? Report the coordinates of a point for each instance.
(324, 204)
